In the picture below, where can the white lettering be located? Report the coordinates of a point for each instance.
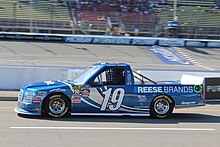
(166, 89)
(170, 89)
(149, 89)
(213, 88)
(190, 89)
(112, 40)
(78, 39)
(160, 89)
(140, 89)
(144, 41)
(178, 89)
(188, 103)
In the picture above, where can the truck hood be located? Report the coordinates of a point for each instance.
(47, 84)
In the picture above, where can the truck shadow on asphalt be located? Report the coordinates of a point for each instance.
(174, 119)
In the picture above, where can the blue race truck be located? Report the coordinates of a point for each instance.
(112, 89)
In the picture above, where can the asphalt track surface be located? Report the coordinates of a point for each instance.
(191, 127)
(83, 55)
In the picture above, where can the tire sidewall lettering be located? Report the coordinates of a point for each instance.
(55, 96)
(163, 96)
(168, 113)
(59, 115)
(50, 98)
(161, 116)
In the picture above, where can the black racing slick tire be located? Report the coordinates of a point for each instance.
(161, 107)
(56, 105)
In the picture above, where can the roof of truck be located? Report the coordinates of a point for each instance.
(110, 64)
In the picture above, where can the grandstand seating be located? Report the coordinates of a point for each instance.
(42, 10)
(191, 16)
(191, 2)
(100, 13)
(197, 2)
(95, 17)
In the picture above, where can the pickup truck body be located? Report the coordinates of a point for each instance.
(108, 89)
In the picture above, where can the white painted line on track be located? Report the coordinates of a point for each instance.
(109, 128)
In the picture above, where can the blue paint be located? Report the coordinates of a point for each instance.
(168, 55)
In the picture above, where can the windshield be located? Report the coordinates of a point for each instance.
(87, 74)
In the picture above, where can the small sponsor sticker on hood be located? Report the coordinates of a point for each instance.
(49, 82)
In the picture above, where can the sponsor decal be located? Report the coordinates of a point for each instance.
(196, 43)
(58, 90)
(111, 40)
(141, 106)
(129, 77)
(49, 82)
(178, 89)
(172, 42)
(212, 88)
(37, 109)
(41, 93)
(76, 99)
(78, 39)
(164, 89)
(77, 87)
(215, 88)
(85, 93)
(9, 36)
(149, 89)
(142, 98)
(37, 100)
(18, 36)
(213, 44)
(138, 41)
(80, 91)
(85, 87)
(188, 103)
(198, 88)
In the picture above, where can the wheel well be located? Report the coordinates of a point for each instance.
(60, 93)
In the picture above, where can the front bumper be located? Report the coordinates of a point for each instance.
(22, 111)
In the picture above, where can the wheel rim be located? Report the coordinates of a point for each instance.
(57, 105)
(161, 106)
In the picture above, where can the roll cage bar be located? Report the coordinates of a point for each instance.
(142, 77)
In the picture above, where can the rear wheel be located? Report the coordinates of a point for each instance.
(56, 106)
(161, 106)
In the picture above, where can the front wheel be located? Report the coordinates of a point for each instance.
(161, 106)
(56, 106)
